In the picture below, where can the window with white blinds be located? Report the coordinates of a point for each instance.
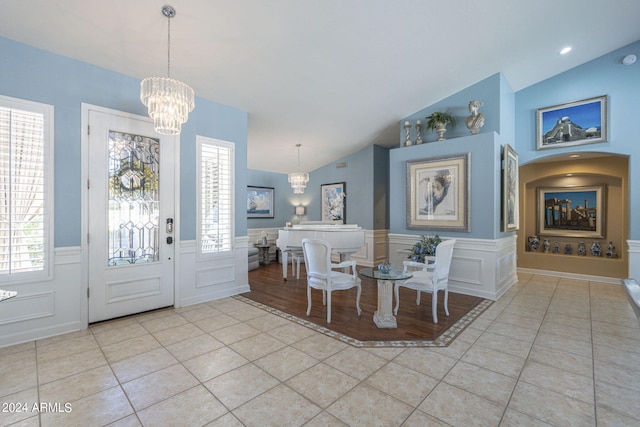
(215, 196)
(26, 176)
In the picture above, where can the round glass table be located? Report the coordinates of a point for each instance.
(383, 317)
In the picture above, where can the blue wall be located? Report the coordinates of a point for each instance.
(485, 148)
(284, 200)
(603, 76)
(40, 76)
(358, 176)
(36, 75)
(365, 174)
(494, 92)
(380, 188)
(484, 184)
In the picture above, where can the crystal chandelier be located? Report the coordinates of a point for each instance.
(298, 180)
(169, 101)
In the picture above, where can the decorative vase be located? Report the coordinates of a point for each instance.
(556, 247)
(441, 128)
(611, 251)
(582, 250)
(534, 243)
(595, 249)
(568, 249)
(264, 240)
(384, 267)
(545, 246)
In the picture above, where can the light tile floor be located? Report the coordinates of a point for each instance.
(551, 351)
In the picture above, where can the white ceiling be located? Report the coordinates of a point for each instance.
(334, 76)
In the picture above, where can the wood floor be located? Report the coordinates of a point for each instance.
(414, 322)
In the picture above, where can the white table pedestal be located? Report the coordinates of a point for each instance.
(383, 317)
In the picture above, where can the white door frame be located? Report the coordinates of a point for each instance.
(84, 198)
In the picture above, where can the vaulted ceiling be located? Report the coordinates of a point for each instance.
(334, 76)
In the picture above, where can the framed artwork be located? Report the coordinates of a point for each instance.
(575, 123)
(334, 202)
(259, 202)
(571, 211)
(438, 193)
(510, 190)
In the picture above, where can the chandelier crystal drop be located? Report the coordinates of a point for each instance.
(298, 180)
(169, 101)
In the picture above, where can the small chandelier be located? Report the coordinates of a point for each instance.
(298, 180)
(169, 101)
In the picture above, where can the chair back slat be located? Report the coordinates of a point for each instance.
(317, 258)
(444, 254)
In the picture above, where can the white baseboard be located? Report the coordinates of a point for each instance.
(588, 277)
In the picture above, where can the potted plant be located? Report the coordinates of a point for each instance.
(426, 246)
(438, 122)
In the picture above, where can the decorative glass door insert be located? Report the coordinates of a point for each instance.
(130, 252)
(134, 199)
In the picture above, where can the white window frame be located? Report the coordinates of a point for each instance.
(200, 142)
(47, 111)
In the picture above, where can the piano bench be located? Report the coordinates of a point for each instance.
(297, 258)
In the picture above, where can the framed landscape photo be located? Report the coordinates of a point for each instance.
(571, 211)
(259, 202)
(574, 123)
(510, 190)
(438, 193)
(334, 202)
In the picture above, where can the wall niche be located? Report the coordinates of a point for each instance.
(572, 171)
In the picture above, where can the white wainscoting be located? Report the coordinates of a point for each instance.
(211, 279)
(374, 250)
(480, 267)
(634, 258)
(59, 305)
(49, 307)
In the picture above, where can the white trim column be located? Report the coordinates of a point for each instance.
(633, 247)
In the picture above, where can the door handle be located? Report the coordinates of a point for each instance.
(169, 225)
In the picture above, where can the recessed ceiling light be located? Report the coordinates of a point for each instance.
(565, 50)
(574, 156)
(569, 174)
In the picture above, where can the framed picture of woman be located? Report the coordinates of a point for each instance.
(438, 193)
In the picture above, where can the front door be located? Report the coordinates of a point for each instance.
(130, 215)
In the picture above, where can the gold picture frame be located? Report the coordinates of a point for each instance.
(572, 211)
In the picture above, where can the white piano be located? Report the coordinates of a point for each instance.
(345, 239)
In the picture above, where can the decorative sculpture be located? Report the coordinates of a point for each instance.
(407, 134)
(476, 120)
